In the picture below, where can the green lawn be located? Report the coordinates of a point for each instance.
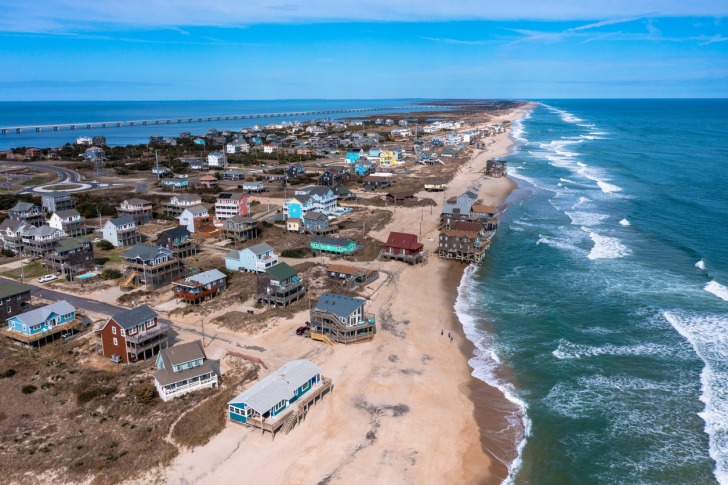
(37, 180)
(32, 270)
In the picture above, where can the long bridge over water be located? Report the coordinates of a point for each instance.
(196, 119)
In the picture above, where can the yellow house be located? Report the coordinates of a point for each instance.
(387, 159)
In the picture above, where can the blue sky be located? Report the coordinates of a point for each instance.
(222, 49)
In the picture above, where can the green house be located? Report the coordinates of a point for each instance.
(333, 245)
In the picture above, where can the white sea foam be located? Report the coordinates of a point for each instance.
(557, 243)
(708, 334)
(606, 247)
(581, 164)
(625, 222)
(565, 115)
(569, 350)
(586, 125)
(582, 200)
(581, 218)
(485, 365)
(717, 289)
(604, 185)
(700, 264)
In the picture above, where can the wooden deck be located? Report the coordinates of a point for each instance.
(294, 414)
(36, 338)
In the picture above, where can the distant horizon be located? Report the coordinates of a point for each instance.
(626, 98)
(144, 50)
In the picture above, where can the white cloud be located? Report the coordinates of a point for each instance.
(69, 15)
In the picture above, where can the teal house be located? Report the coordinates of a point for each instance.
(352, 156)
(335, 245)
(42, 324)
(284, 394)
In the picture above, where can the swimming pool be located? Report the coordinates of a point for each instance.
(85, 276)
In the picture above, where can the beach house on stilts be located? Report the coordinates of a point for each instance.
(282, 399)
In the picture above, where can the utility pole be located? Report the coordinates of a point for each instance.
(202, 324)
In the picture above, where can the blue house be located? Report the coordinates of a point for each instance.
(315, 223)
(374, 152)
(256, 258)
(43, 324)
(363, 167)
(199, 141)
(283, 394)
(176, 183)
(306, 199)
(352, 156)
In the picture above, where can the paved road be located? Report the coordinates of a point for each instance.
(107, 309)
(64, 175)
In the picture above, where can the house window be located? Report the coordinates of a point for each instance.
(122, 332)
(113, 330)
(116, 342)
(10, 310)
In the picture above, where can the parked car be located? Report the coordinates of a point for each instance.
(303, 330)
(48, 277)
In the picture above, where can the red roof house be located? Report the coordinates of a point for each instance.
(404, 247)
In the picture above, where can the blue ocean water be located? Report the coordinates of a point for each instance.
(27, 113)
(602, 308)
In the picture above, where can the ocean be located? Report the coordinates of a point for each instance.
(601, 311)
(31, 113)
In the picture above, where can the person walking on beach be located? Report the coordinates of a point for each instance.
(442, 332)
(448, 335)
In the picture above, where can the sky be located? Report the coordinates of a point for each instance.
(285, 49)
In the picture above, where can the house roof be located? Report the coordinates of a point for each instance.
(350, 270)
(339, 305)
(178, 231)
(120, 221)
(207, 276)
(456, 209)
(137, 201)
(459, 233)
(188, 197)
(40, 315)
(68, 213)
(11, 288)
(12, 224)
(260, 248)
(470, 195)
(375, 178)
(145, 252)
(333, 241)
(22, 206)
(167, 376)
(71, 243)
(403, 240)
(197, 210)
(485, 209)
(467, 226)
(239, 220)
(281, 271)
(315, 216)
(42, 231)
(208, 178)
(131, 318)
(278, 386)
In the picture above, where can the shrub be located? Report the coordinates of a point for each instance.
(146, 393)
(85, 395)
(105, 245)
(29, 389)
(7, 373)
(294, 253)
(110, 274)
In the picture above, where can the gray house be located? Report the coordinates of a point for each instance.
(342, 319)
(27, 212)
(57, 201)
(121, 231)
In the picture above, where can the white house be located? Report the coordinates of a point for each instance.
(191, 216)
(256, 258)
(183, 369)
(216, 160)
(121, 231)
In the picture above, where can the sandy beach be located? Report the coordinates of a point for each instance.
(403, 409)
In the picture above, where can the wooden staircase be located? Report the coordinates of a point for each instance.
(129, 281)
(322, 338)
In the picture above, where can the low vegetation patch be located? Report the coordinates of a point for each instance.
(200, 424)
